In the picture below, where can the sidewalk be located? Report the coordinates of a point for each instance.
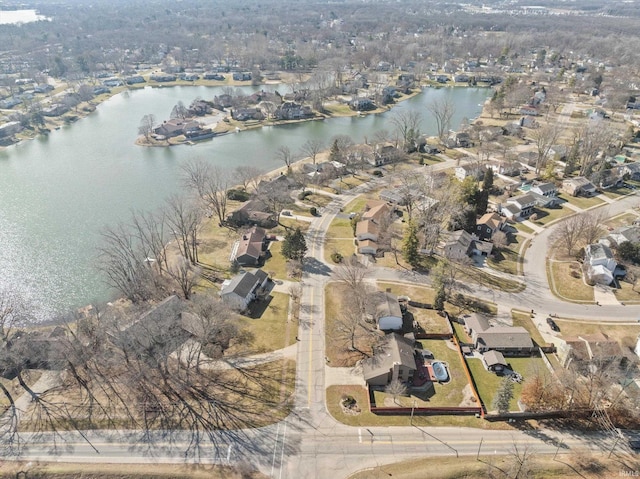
(343, 376)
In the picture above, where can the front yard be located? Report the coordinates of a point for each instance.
(547, 215)
(267, 329)
(580, 201)
(625, 334)
(567, 283)
(521, 318)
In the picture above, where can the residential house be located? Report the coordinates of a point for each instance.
(241, 76)
(243, 288)
(470, 169)
(494, 361)
(487, 225)
(248, 250)
(507, 168)
(529, 110)
(362, 104)
(388, 312)
(509, 340)
(57, 109)
(252, 212)
(246, 114)
(578, 186)
(395, 361)
(134, 79)
(163, 78)
(528, 122)
(620, 235)
(608, 178)
(459, 139)
(213, 76)
(384, 154)
(175, 127)
(584, 350)
(599, 264)
(545, 189)
(459, 244)
(368, 228)
(47, 350)
(10, 128)
(524, 206)
(156, 333)
(293, 111)
(632, 169)
(43, 88)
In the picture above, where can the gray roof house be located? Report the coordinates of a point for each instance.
(525, 203)
(243, 288)
(494, 360)
(509, 340)
(247, 251)
(395, 361)
(624, 233)
(600, 263)
(388, 312)
(578, 186)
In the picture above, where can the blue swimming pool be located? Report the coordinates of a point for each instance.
(440, 371)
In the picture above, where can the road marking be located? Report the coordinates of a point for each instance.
(360, 435)
(275, 448)
(229, 453)
(310, 350)
(284, 435)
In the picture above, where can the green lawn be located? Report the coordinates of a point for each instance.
(614, 193)
(567, 286)
(523, 319)
(522, 228)
(269, 329)
(627, 294)
(340, 228)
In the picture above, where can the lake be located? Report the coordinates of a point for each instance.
(58, 191)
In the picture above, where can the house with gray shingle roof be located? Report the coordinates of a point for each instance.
(395, 361)
(243, 288)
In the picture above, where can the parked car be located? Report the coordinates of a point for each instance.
(553, 325)
(286, 213)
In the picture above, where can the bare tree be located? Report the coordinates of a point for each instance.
(185, 274)
(568, 234)
(407, 127)
(179, 111)
(312, 148)
(396, 388)
(248, 176)
(284, 154)
(589, 142)
(210, 184)
(184, 218)
(544, 138)
(500, 239)
(442, 111)
(146, 125)
(592, 227)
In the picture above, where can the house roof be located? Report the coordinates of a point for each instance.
(505, 337)
(511, 208)
(387, 305)
(492, 220)
(460, 237)
(251, 243)
(243, 284)
(367, 226)
(494, 358)
(626, 233)
(367, 244)
(375, 210)
(522, 200)
(598, 251)
(578, 182)
(598, 346)
(396, 350)
(546, 187)
(476, 322)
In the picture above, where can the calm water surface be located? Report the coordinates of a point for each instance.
(58, 191)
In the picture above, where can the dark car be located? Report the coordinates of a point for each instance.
(553, 325)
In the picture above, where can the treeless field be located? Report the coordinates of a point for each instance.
(566, 466)
(11, 470)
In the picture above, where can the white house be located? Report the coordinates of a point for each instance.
(524, 203)
(388, 312)
(600, 263)
(243, 288)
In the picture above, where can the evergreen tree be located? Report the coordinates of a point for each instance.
(441, 297)
(294, 245)
(503, 396)
(410, 245)
(487, 182)
(334, 152)
(482, 202)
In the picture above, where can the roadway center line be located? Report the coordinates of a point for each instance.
(310, 350)
(275, 448)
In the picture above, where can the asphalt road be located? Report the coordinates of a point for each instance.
(310, 443)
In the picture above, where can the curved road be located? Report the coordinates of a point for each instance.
(310, 443)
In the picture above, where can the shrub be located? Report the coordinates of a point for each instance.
(303, 195)
(314, 211)
(377, 173)
(336, 257)
(237, 195)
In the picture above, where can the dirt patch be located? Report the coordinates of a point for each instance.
(469, 399)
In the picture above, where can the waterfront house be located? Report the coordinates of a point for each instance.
(243, 288)
(249, 249)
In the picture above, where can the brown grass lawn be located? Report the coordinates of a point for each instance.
(365, 418)
(506, 259)
(565, 285)
(357, 205)
(626, 293)
(617, 192)
(340, 228)
(337, 345)
(547, 215)
(580, 201)
(317, 200)
(30, 376)
(621, 220)
(567, 466)
(346, 247)
(523, 319)
(268, 331)
(522, 228)
(276, 265)
(625, 334)
(57, 470)
(429, 319)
